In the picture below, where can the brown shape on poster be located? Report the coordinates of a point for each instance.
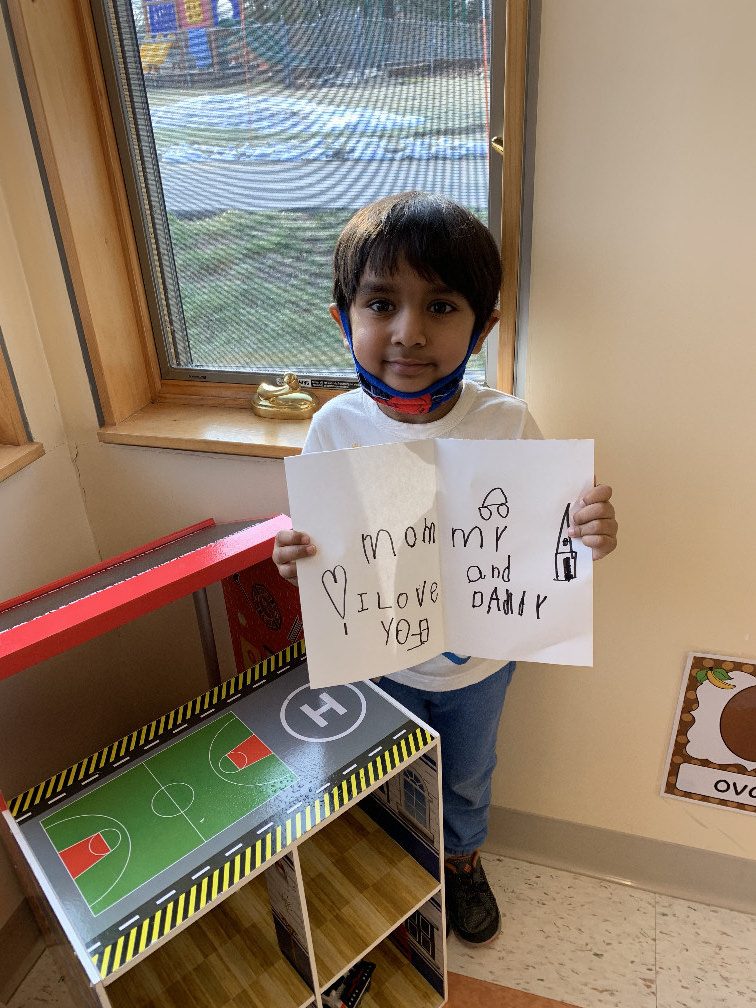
(738, 724)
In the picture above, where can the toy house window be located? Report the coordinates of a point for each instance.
(250, 132)
(415, 799)
(421, 930)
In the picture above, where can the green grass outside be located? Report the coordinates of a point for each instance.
(256, 286)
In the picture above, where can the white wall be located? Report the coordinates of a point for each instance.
(642, 333)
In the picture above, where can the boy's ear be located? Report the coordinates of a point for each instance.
(336, 316)
(493, 319)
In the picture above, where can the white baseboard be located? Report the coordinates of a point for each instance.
(654, 865)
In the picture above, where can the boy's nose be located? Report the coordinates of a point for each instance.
(408, 329)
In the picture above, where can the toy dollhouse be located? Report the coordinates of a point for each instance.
(250, 847)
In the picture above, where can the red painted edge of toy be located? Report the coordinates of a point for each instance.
(104, 565)
(81, 620)
(3, 804)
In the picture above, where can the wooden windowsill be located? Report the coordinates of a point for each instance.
(229, 430)
(15, 457)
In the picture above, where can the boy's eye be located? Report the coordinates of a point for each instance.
(441, 307)
(379, 305)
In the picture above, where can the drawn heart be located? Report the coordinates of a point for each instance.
(335, 584)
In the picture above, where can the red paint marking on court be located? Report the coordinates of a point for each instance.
(82, 855)
(247, 752)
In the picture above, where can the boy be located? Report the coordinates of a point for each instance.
(416, 280)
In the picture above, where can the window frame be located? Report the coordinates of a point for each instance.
(79, 153)
(17, 447)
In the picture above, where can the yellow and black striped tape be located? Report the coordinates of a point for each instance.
(247, 861)
(77, 776)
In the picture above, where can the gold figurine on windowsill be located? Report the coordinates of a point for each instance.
(287, 401)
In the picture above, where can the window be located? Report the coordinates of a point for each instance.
(421, 930)
(61, 52)
(415, 799)
(253, 129)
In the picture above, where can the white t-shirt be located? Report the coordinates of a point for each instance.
(353, 420)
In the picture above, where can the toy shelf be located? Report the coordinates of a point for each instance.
(359, 884)
(228, 957)
(397, 982)
(246, 849)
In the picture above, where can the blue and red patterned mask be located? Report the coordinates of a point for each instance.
(424, 401)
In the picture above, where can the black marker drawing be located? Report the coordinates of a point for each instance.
(497, 499)
(466, 536)
(565, 557)
(335, 584)
(374, 542)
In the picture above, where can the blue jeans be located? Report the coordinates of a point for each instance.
(467, 720)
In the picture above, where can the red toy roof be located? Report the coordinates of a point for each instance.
(61, 615)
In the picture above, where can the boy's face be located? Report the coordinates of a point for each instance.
(410, 332)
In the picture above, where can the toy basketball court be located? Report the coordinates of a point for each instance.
(139, 847)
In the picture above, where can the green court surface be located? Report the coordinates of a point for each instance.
(134, 826)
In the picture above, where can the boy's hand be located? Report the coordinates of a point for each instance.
(593, 521)
(291, 546)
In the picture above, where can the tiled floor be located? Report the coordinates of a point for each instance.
(570, 941)
(595, 944)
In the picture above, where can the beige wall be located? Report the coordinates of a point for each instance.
(642, 333)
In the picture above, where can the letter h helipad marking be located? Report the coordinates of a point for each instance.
(329, 704)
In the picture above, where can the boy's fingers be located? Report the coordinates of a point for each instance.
(594, 494)
(592, 512)
(288, 553)
(593, 520)
(289, 572)
(599, 527)
(291, 546)
(290, 537)
(600, 545)
(596, 519)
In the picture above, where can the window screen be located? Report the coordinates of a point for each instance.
(251, 131)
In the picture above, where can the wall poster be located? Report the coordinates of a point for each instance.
(712, 753)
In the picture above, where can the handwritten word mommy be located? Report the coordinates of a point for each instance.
(411, 537)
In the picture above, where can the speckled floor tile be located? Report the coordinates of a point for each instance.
(43, 986)
(705, 956)
(566, 937)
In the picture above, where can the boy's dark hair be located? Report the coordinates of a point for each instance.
(437, 238)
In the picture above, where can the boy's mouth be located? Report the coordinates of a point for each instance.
(407, 366)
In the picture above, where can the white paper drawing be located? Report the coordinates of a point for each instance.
(439, 546)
